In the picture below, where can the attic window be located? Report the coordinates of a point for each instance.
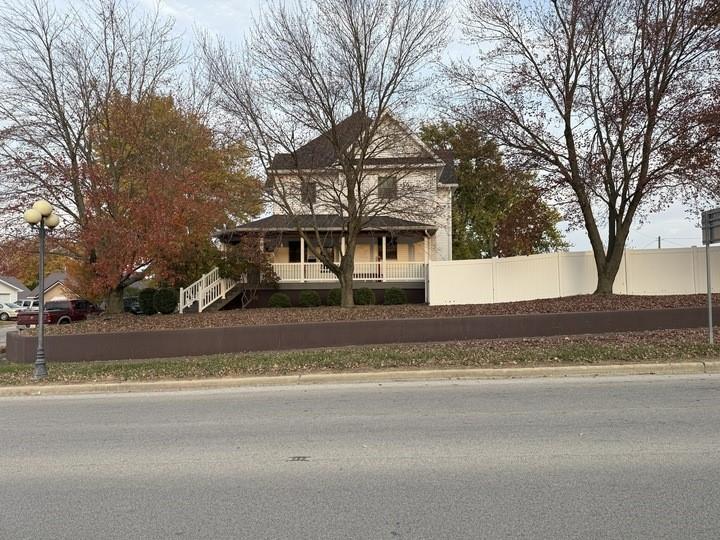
(308, 191)
(387, 187)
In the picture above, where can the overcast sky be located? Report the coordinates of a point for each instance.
(231, 19)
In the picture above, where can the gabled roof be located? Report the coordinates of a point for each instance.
(320, 152)
(16, 284)
(50, 280)
(323, 222)
(448, 175)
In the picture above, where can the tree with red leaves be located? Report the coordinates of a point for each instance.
(160, 185)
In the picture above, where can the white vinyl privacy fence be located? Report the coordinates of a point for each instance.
(552, 275)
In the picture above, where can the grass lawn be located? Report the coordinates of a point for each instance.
(661, 346)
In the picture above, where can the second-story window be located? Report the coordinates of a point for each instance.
(308, 191)
(387, 187)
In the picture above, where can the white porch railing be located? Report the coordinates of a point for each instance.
(206, 290)
(211, 287)
(364, 271)
(405, 271)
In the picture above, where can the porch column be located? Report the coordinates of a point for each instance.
(384, 256)
(426, 244)
(302, 259)
(342, 245)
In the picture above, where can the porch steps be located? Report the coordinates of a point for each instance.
(205, 292)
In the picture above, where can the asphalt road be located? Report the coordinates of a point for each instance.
(574, 458)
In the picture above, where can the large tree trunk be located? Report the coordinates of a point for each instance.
(605, 281)
(115, 301)
(608, 269)
(347, 299)
(347, 269)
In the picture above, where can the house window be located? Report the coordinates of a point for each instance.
(387, 187)
(391, 253)
(308, 190)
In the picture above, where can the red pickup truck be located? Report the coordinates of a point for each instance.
(58, 312)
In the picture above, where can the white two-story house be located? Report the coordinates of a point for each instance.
(406, 188)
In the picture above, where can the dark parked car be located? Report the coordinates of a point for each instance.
(132, 305)
(58, 312)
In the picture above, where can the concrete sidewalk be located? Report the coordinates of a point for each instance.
(668, 368)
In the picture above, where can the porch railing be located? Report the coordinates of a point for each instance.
(364, 271)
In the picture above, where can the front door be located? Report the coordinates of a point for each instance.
(294, 251)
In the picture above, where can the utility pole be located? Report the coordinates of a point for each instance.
(710, 235)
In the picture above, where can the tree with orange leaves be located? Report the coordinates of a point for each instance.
(19, 258)
(160, 184)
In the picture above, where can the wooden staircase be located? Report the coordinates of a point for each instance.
(207, 291)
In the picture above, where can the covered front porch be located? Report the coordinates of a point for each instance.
(387, 250)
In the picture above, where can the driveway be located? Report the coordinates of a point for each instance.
(5, 327)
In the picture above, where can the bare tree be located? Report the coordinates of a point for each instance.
(333, 70)
(58, 72)
(610, 100)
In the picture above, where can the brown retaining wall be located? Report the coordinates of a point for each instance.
(201, 341)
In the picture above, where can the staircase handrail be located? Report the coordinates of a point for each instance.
(205, 291)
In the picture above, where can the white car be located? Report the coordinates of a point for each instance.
(9, 311)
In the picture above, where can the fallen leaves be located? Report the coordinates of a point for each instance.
(269, 316)
(627, 347)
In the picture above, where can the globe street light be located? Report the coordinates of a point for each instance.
(41, 216)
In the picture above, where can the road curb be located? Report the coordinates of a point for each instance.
(670, 368)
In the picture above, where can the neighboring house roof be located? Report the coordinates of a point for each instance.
(50, 280)
(23, 291)
(320, 152)
(325, 222)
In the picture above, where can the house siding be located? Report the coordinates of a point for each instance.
(8, 294)
(421, 196)
(58, 291)
(442, 240)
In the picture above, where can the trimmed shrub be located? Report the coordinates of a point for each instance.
(279, 300)
(146, 297)
(364, 297)
(395, 296)
(166, 300)
(334, 297)
(309, 299)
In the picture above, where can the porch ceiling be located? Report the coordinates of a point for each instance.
(325, 223)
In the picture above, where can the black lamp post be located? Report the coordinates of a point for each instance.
(41, 216)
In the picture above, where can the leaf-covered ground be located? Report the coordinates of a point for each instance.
(129, 323)
(629, 347)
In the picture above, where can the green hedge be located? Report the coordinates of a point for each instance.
(395, 296)
(166, 300)
(279, 300)
(364, 297)
(146, 298)
(334, 297)
(309, 299)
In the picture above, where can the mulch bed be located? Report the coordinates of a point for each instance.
(267, 316)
